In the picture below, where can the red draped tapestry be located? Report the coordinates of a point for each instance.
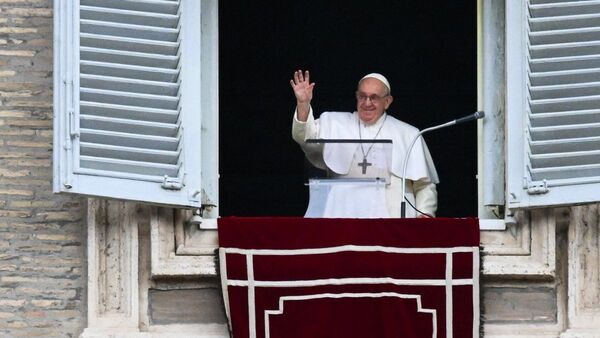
(299, 277)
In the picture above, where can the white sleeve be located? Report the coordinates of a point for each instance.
(302, 131)
(425, 196)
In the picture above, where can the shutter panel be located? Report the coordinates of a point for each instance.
(557, 115)
(129, 110)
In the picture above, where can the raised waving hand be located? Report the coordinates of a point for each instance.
(303, 90)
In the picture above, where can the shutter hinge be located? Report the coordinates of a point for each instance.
(538, 188)
(171, 183)
(202, 223)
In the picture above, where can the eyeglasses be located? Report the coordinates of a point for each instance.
(374, 98)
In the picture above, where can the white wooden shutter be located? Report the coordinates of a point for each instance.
(553, 102)
(128, 99)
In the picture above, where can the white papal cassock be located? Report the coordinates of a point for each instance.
(343, 159)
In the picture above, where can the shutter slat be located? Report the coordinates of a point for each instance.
(565, 77)
(129, 85)
(565, 132)
(128, 126)
(128, 112)
(565, 145)
(127, 153)
(565, 118)
(565, 91)
(564, 8)
(130, 17)
(568, 172)
(129, 140)
(134, 167)
(129, 44)
(539, 2)
(564, 35)
(565, 49)
(131, 99)
(565, 104)
(565, 159)
(129, 71)
(129, 58)
(157, 6)
(564, 22)
(565, 63)
(131, 31)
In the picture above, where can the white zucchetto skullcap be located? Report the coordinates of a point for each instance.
(380, 78)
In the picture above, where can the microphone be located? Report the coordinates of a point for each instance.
(472, 117)
(475, 116)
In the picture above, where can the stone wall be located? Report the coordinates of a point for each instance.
(42, 246)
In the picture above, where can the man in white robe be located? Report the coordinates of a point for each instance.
(369, 122)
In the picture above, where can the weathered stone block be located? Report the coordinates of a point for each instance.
(529, 304)
(18, 192)
(12, 302)
(195, 306)
(29, 11)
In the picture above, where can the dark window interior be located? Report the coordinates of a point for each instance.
(427, 50)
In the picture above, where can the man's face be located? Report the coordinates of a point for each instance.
(372, 99)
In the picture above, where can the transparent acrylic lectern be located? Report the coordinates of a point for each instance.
(353, 181)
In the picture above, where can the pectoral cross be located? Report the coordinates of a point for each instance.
(364, 164)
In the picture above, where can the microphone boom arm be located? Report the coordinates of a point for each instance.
(471, 117)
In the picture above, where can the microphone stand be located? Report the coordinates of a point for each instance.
(471, 117)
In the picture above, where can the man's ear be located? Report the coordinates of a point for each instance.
(388, 101)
